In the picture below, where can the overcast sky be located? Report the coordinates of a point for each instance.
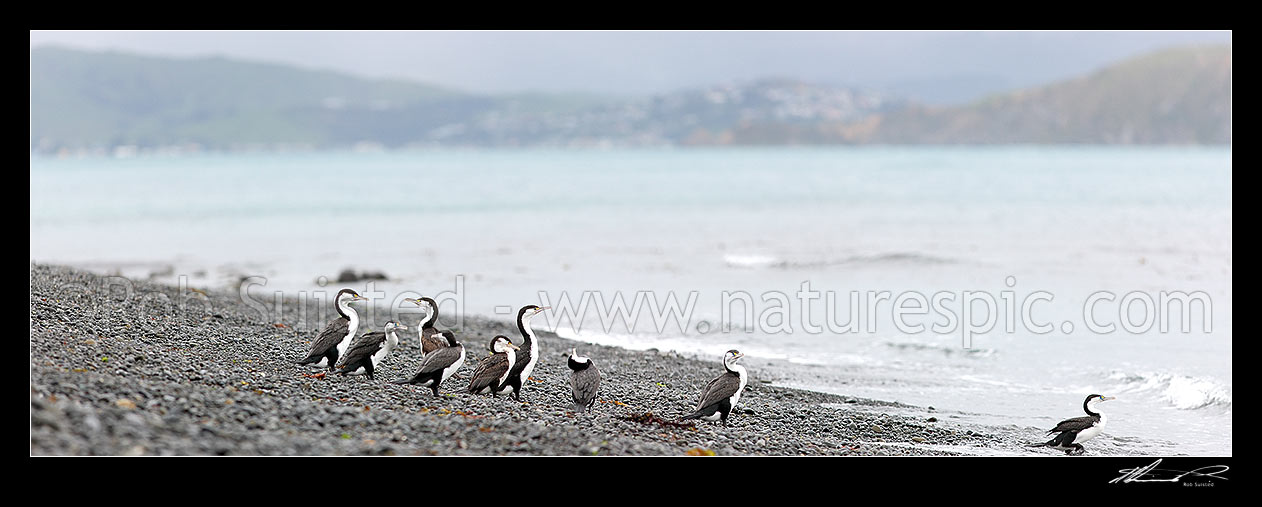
(939, 67)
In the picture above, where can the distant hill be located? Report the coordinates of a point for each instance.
(1176, 96)
(91, 100)
(84, 99)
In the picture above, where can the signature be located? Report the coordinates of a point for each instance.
(1155, 474)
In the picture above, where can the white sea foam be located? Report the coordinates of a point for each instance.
(691, 346)
(945, 350)
(749, 261)
(1180, 391)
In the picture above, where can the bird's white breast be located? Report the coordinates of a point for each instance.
(740, 370)
(391, 341)
(530, 366)
(351, 328)
(451, 370)
(1091, 432)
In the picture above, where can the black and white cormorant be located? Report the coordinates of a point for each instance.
(527, 356)
(438, 365)
(492, 372)
(1071, 433)
(722, 393)
(584, 381)
(336, 336)
(367, 351)
(430, 339)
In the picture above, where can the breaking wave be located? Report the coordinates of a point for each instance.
(750, 261)
(945, 350)
(1180, 391)
(766, 261)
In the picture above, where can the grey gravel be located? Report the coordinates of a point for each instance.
(159, 370)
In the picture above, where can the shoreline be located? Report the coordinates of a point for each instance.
(148, 373)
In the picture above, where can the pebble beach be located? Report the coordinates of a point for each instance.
(151, 369)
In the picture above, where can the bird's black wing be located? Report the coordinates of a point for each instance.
(488, 372)
(719, 389)
(1075, 424)
(362, 348)
(330, 336)
(585, 383)
(439, 359)
(523, 356)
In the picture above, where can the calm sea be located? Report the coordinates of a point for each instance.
(796, 256)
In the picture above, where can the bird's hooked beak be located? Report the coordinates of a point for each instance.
(358, 297)
(1108, 398)
(514, 347)
(401, 327)
(541, 309)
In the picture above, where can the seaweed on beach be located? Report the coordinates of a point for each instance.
(649, 418)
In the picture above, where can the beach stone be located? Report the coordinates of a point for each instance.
(220, 380)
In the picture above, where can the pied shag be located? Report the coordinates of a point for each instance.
(367, 351)
(527, 356)
(492, 372)
(722, 393)
(337, 335)
(430, 338)
(1071, 433)
(439, 365)
(584, 381)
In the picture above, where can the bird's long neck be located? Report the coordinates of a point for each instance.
(344, 308)
(735, 368)
(528, 336)
(392, 338)
(431, 319)
(341, 305)
(351, 328)
(392, 341)
(1086, 406)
